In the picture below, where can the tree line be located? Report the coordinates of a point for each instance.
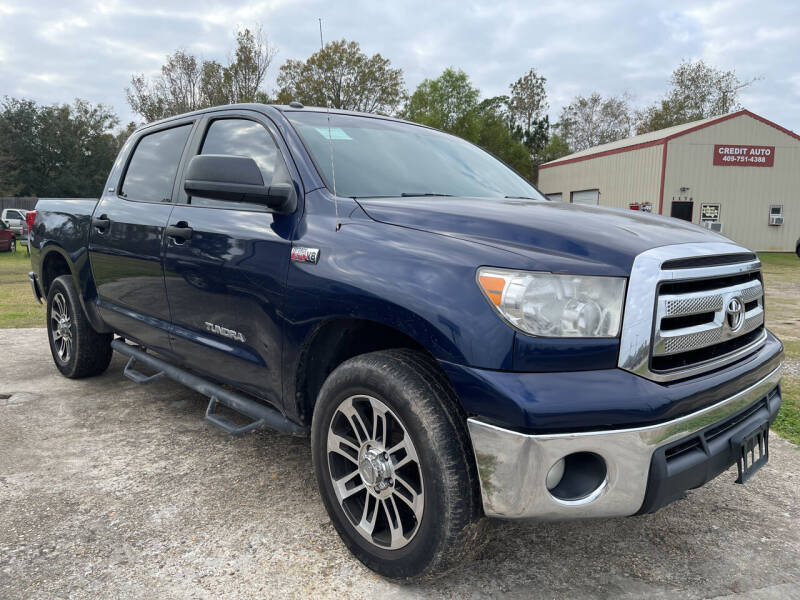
(67, 150)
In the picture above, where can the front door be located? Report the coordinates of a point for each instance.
(682, 210)
(226, 274)
(126, 240)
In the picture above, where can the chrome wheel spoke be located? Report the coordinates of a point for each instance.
(368, 517)
(356, 422)
(409, 453)
(353, 491)
(395, 524)
(341, 485)
(337, 443)
(415, 502)
(378, 421)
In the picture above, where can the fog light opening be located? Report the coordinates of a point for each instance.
(582, 477)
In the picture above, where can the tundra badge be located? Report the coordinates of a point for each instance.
(224, 332)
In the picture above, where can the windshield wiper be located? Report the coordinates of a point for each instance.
(413, 194)
(521, 198)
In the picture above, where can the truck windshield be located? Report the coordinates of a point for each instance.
(376, 157)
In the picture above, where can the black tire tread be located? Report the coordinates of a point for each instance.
(466, 536)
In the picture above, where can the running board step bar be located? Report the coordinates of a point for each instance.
(261, 414)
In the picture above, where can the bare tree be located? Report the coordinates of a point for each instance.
(697, 91)
(528, 100)
(186, 83)
(249, 65)
(593, 120)
(176, 90)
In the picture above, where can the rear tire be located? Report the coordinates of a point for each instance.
(414, 512)
(77, 349)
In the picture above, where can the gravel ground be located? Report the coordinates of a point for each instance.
(109, 489)
(791, 367)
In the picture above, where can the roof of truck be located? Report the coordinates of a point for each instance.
(281, 107)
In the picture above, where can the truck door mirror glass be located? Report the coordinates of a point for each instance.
(236, 179)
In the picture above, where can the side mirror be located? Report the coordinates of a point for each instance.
(236, 179)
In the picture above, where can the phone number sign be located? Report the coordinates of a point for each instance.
(744, 156)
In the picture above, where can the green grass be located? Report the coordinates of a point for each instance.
(18, 307)
(782, 279)
(788, 422)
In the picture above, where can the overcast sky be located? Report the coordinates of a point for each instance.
(57, 51)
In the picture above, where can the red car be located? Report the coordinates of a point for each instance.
(6, 238)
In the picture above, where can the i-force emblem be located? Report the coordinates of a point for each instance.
(306, 255)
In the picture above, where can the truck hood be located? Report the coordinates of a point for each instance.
(542, 231)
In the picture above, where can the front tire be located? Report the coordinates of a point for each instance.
(394, 465)
(77, 349)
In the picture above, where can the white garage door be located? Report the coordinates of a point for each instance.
(586, 197)
(554, 197)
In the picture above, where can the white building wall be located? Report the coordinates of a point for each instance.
(621, 178)
(744, 193)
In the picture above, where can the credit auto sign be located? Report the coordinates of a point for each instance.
(744, 156)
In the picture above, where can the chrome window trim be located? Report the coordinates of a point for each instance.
(640, 304)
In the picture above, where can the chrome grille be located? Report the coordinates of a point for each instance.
(691, 308)
(689, 341)
(713, 303)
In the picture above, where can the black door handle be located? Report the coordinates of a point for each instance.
(101, 223)
(179, 231)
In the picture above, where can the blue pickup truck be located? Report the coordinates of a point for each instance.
(455, 345)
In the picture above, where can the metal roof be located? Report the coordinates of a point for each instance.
(657, 137)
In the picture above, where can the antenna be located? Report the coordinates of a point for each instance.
(330, 141)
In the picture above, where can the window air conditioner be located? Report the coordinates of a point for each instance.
(712, 225)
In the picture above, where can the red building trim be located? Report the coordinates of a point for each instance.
(788, 132)
(663, 175)
(666, 139)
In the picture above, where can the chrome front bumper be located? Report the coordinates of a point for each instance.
(513, 467)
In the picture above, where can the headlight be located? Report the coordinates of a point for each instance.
(552, 305)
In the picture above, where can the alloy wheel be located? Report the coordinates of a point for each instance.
(375, 471)
(61, 327)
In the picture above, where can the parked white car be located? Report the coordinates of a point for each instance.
(15, 219)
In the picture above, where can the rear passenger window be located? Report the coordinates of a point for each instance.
(154, 164)
(241, 137)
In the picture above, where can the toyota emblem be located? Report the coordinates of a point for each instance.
(734, 312)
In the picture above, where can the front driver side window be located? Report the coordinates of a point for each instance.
(241, 137)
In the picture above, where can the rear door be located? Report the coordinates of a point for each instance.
(127, 237)
(226, 280)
